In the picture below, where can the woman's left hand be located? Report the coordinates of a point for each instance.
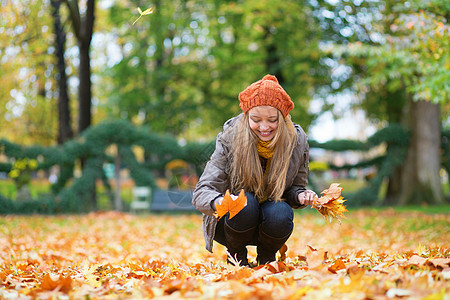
(307, 197)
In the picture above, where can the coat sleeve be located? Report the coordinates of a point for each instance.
(301, 177)
(214, 180)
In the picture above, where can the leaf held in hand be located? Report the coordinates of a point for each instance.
(234, 206)
(331, 203)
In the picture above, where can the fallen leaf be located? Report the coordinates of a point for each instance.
(63, 284)
(276, 267)
(338, 265)
(440, 263)
(233, 206)
(395, 292)
(283, 251)
(417, 260)
(316, 257)
(108, 255)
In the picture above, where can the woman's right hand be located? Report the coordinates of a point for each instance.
(307, 197)
(218, 201)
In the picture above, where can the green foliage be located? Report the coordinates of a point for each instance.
(394, 133)
(27, 106)
(394, 136)
(184, 65)
(75, 194)
(70, 194)
(409, 54)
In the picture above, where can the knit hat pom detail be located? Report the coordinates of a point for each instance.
(270, 77)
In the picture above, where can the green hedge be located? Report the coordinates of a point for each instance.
(90, 150)
(71, 194)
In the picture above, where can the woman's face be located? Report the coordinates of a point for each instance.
(263, 120)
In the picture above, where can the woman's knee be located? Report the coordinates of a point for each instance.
(277, 219)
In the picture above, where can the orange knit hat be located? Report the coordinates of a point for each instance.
(266, 92)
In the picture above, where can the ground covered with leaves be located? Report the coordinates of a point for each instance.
(371, 255)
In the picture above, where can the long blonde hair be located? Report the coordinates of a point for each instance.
(245, 169)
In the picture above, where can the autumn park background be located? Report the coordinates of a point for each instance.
(99, 98)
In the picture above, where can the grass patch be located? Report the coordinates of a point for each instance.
(427, 209)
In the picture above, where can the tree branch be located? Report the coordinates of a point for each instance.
(75, 16)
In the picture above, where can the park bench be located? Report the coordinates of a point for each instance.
(141, 199)
(172, 200)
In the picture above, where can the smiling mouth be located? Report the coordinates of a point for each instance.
(265, 133)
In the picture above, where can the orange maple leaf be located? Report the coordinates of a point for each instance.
(331, 203)
(234, 206)
(62, 283)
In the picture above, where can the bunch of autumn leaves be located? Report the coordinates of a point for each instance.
(330, 204)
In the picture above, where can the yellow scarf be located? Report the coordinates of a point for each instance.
(264, 150)
(267, 153)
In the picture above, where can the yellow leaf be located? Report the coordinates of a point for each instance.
(143, 13)
(147, 11)
(330, 204)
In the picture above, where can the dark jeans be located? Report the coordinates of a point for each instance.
(275, 219)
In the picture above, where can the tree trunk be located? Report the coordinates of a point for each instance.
(83, 26)
(421, 180)
(64, 120)
(272, 60)
(394, 187)
(396, 103)
(117, 198)
(84, 88)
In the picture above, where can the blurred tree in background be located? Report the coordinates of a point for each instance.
(27, 110)
(394, 58)
(65, 131)
(82, 20)
(180, 69)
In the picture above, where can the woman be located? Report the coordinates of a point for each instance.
(262, 152)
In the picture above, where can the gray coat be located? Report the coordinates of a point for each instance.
(215, 178)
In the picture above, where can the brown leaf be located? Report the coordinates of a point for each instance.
(234, 206)
(258, 274)
(440, 263)
(276, 267)
(417, 260)
(283, 251)
(316, 258)
(354, 269)
(332, 193)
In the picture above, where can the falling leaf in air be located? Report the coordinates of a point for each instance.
(331, 203)
(143, 13)
(231, 204)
